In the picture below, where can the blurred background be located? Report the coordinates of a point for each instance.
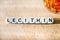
(27, 8)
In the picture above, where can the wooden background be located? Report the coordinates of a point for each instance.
(27, 8)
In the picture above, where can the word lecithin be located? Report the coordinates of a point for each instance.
(30, 20)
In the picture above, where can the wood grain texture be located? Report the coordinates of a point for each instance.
(27, 8)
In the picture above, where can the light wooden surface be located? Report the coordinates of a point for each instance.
(27, 8)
